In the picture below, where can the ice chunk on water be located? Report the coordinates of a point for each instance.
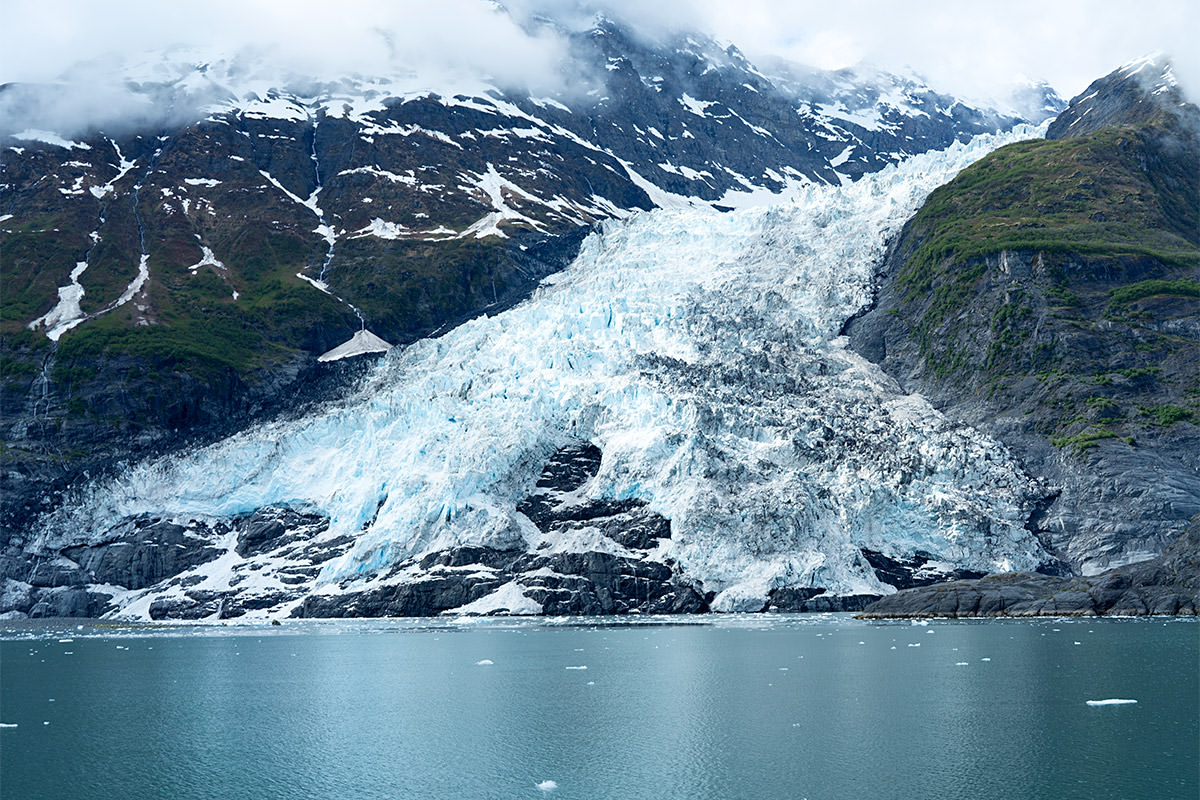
(1112, 701)
(581, 666)
(487, 662)
(547, 786)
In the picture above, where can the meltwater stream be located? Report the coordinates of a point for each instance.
(700, 352)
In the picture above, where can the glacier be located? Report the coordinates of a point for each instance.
(700, 352)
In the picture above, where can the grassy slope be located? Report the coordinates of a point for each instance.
(1111, 223)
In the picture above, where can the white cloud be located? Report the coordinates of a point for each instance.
(42, 38)
(974, 50)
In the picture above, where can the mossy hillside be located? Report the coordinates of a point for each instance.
(1125, 295)
(1090, 196)
(30, 289)
(1059, 279)
(410, 288)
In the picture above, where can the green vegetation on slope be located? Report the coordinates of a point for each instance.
(1091, 196)
(1063, 276)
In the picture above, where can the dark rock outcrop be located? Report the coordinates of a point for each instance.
(270, 528)
(815, 600)
(143, 557)
(1169, 584)
(909, 572)
(593, 582)
(589, 583)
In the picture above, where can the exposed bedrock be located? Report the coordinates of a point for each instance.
(1169, 584)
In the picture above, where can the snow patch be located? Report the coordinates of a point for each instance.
(49, 137)
(509, 599)
(207, 260)
(359, 344)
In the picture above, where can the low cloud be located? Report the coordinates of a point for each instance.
(66, 63)
(78, 51)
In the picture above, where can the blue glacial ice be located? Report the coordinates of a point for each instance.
(699, 351)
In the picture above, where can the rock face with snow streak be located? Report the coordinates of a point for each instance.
(688, 379)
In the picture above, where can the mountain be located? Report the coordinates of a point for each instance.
(171, 283)
(1048, 296)
(174, 281)
(671, 424)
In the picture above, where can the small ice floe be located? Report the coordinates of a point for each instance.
(547, 786)
(8, 724)
(1112, 701)
(783, 669)
(985, 659)
(920, 622)
(914, 644)
(46, 722)
(961, 664)
(591, 683)
(487, 662)
(1079, 643)
(581, 666)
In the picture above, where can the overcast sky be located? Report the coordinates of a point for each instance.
(974, 49)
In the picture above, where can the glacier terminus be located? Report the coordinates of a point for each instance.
(684, 379)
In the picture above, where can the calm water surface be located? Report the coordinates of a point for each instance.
(818, 707)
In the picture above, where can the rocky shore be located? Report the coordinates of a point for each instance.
(1169, 584)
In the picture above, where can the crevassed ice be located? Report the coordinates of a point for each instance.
(700, 352)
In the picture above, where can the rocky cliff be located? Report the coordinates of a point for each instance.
(1050, 295)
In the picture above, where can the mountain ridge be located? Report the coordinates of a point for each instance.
(189, 274)
(1047, 295)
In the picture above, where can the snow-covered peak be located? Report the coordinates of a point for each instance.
(1142, 90)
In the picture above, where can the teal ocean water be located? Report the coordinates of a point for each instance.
(819, 707)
